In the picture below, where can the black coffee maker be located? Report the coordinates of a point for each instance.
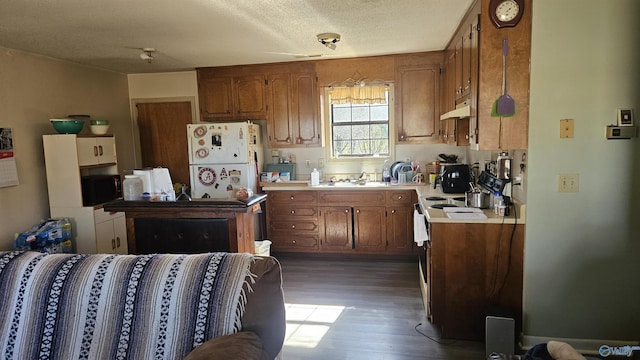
(455, 178)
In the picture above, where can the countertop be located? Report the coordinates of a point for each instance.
(122, 205)
(422, 190)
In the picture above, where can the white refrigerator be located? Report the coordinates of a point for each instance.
(223, 158)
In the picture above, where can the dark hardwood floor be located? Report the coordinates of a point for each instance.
(360, 309)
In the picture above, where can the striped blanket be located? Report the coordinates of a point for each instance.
(101, 306)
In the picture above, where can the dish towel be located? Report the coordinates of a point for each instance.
(420, 234)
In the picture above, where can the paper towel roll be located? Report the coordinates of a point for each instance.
(161, 181)
(145, 175)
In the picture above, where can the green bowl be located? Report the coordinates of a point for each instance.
(99, 122)
(67, 126)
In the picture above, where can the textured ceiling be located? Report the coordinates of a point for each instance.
(109, 34)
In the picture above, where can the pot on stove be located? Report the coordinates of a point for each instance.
(477, 198)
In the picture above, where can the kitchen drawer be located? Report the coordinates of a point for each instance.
(287, 241)
(293, 225)
(400, 197)
(293, 211)
(300, 197)
(360, 197)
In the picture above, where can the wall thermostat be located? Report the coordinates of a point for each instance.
(625, 117)
(621, 132)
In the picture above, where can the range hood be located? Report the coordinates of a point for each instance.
(462, 110)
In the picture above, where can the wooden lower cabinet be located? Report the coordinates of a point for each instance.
(369, 229)
(292, 221)
(368, 222)
(336, 228)
(476, 270)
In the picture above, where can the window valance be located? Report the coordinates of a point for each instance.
(370, 94)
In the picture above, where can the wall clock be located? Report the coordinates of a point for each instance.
(506, 13)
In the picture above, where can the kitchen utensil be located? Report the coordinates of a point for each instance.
(448, 158)
(505, 106)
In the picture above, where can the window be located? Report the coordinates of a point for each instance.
(359, 128)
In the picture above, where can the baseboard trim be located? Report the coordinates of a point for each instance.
(583, 346)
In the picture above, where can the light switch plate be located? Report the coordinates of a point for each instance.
(568, 183)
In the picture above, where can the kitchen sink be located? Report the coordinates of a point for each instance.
(354, 184)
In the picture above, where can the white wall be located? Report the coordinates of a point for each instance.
(582, 252)
(163, 85)
(34, 89)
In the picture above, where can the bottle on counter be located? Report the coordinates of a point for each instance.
(132, 187)
(315, 177)
(386, 173)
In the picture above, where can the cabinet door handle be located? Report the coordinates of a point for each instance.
(118, 241)
(113, 244)
(100, 150)
(293, 211)
(291, 198)
(95, 150)
(393, 211)
(358, 211)
(293, 241)
(346, 210)
(293, 226)
(400, 197)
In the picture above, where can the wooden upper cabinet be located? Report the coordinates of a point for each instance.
(231, 97)
(279, 124)
(293, 118)
(216, 100)
(506, 133)
(305, 108)
(249, 96)
(417, 103)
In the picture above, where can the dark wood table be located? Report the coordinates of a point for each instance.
(199, 225)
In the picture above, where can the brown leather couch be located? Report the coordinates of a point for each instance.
(263, 323)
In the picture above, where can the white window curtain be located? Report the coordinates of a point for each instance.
(370, 94)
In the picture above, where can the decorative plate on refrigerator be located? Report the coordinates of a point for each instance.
(202, 153)
(200, 131)
(207, 176)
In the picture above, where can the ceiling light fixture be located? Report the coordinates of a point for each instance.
(147, 54)
(329, 39)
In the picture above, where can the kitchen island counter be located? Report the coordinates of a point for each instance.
(189, 226)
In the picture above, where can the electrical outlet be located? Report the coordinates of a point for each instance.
(320, 163)
(568, 182)
(307, 164)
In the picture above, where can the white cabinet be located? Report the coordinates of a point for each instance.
(96, 150)
(68, 158)
(111, 232)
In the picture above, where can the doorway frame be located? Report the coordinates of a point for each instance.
(137, 149)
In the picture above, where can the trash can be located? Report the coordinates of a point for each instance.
(263, 248)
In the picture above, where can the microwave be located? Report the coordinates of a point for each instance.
(98, 189)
